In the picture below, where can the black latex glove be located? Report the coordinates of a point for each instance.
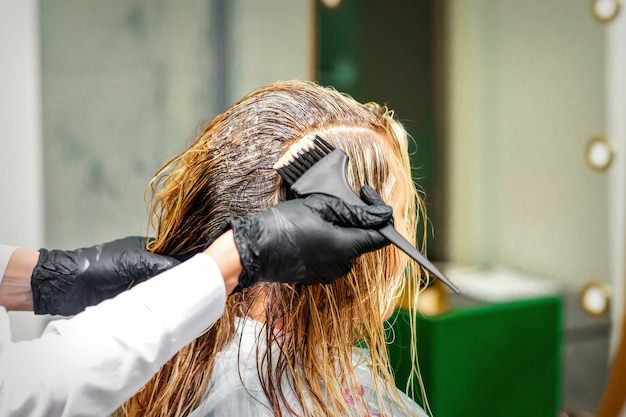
(66, 282)
(314, 240)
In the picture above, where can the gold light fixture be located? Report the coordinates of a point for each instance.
(605, 11)
(599, 153)
(331, 4)
(595, 298)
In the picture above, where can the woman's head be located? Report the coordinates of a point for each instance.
(228, 172)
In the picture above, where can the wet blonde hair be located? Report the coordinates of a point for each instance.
(227, 173)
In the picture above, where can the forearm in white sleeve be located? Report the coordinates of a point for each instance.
(90, 364)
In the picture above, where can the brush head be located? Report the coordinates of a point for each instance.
(301, 156)
(313, 165)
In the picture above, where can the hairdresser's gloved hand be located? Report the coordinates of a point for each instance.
(314, 240)
(66, 282)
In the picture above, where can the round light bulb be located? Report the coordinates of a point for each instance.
(331, 4)
(595, 298)
(599, 153)
(605, 10)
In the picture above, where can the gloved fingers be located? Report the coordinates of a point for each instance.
(136, 264)
(375, 217)
(366, 240)
(155, 264)
(373, 200)
(339, 212)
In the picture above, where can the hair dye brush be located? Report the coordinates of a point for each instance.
(314, 166)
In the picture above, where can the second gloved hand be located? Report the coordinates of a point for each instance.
(66, 282)
(308, 241)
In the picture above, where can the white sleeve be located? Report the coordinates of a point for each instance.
(90, 364)
(5, 255)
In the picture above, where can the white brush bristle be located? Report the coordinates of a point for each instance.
(303, 145)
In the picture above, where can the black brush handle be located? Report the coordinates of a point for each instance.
(328, 176)
(405, 246)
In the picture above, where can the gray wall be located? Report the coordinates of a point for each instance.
(127, 85)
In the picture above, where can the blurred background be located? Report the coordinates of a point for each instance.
(517, 112)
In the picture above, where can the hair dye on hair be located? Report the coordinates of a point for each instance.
(228, 173)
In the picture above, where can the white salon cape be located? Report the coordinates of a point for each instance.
(92, 363)
(236, 388)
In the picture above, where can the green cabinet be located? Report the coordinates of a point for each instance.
(488, 360)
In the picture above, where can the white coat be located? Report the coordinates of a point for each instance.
(92, 363)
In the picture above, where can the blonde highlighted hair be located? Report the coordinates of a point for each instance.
(227, 173)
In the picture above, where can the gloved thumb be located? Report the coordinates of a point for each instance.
(376, 206)
(371, 197)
